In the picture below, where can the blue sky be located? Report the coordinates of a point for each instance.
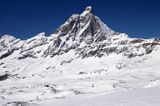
(26, 18)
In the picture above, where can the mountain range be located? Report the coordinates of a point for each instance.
(82, 59)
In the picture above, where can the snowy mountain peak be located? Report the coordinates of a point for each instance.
(7, 38)
(87, 10)
(84, 24)
(79, 31)
(42, 34)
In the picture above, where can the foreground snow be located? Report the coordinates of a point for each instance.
(136, 97)
(112, 80)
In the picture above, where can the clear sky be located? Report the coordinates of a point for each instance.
(26, 18)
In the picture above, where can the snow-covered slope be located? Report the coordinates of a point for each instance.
(84, 59)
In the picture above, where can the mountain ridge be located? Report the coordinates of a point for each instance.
(84, 56)
(80, 32)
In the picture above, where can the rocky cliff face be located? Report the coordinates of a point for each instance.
(79, 30)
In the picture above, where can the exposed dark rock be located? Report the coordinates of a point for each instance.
(3, 77)
(65, 62)
(28, 54)
(1, 63)
(46, 85)
(18, 103)
(157, 39)
(9, 52)
(82, 72)
(136, 41)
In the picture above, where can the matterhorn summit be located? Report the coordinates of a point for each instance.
(85, 28)
(82, 63)
(87, 10)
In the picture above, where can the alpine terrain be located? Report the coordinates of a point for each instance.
(83, 63)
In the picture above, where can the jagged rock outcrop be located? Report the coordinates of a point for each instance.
(8, 44)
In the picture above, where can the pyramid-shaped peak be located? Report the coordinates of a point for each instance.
(85, 25)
